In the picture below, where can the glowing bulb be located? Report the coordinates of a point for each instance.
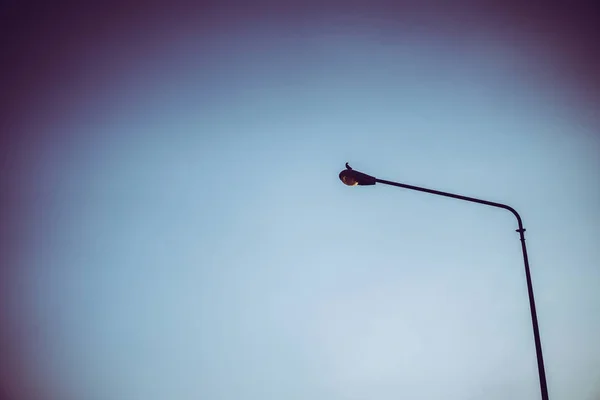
(349, 180)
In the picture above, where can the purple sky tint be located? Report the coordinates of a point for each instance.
(173, 225)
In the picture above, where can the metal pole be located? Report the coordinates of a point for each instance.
(521, 230)
(534, 320)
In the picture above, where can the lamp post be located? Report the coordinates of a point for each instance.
(352, 177)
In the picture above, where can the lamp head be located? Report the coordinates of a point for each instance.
(351, 177)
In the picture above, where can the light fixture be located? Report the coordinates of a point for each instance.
(351, 177)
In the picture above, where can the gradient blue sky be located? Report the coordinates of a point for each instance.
(188, 236)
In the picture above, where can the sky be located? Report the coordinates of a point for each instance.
(178, 228)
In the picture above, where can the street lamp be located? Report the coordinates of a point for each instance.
(352, 177)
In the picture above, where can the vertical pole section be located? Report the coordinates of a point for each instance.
(534, 320)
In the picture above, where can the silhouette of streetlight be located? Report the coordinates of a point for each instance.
(352, 177)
